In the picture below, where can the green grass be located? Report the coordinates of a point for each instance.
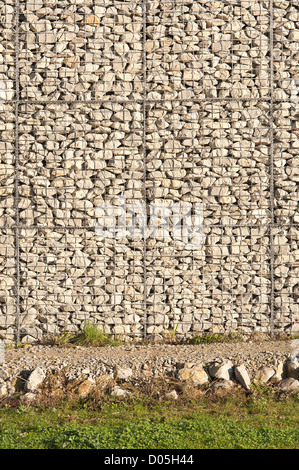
(207, 338)
(254, 421)
(91, 335)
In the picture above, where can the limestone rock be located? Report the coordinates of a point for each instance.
(172, 395)
(289, 385)
(120, 392)
(292, 366)
(35, 379)
(223, 385)
(223, 370)
(264, 374)
(123, 373)
(242, 376)
(193, 373)
(85, 387)
(3, 390)
(28, 398)
(280, 371)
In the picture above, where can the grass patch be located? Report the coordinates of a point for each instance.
(255, 421)
(207, 338)
(91, 335)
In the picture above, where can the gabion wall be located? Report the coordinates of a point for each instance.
(165, 104)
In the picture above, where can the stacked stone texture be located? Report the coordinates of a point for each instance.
(158, 102)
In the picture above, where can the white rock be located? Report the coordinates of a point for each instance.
(193, 373)
(35, 379)
(294, 35)
(28, 398)
(242, 376)
(222, 370)
(172, 395)
(292, 366)
(289, 385)
(123, 373)
(120, 392)
(264, 374)
(3, 390)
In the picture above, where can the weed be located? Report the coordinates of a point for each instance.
(65, 339)
(170, 335)
(207, 338)
(17, 345)
(22, 409)
(93, 336)
(254, 421)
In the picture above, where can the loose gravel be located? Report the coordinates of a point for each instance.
(143, 360)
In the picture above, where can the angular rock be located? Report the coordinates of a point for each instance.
(280, 371)
(264, 374)
(4, 375)
(223, 370)
(120, 392)
(193, 373)
(222, 385)
(172, 395)
(289, 385)
(123, 373)
(35, 379)
(242, 376)
(292, 366)
(85, 387)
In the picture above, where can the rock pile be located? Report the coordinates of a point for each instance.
(160, 103)
(215, 376)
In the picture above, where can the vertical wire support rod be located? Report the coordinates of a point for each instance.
(272, 221)
(16, 184)
(144, 20)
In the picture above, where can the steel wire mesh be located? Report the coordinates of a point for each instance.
(149, 167)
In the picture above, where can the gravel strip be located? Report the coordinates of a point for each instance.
(157, 358)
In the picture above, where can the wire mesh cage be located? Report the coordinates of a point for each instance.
(149, 167)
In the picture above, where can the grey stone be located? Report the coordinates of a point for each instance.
(120, 392)
(264, 374)
(222, 385)
(292, 366)
(123, 373)
(242, 376)
(35, 379)
(223, 370)
(193, 373)
(172, 395)
(289, 385)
